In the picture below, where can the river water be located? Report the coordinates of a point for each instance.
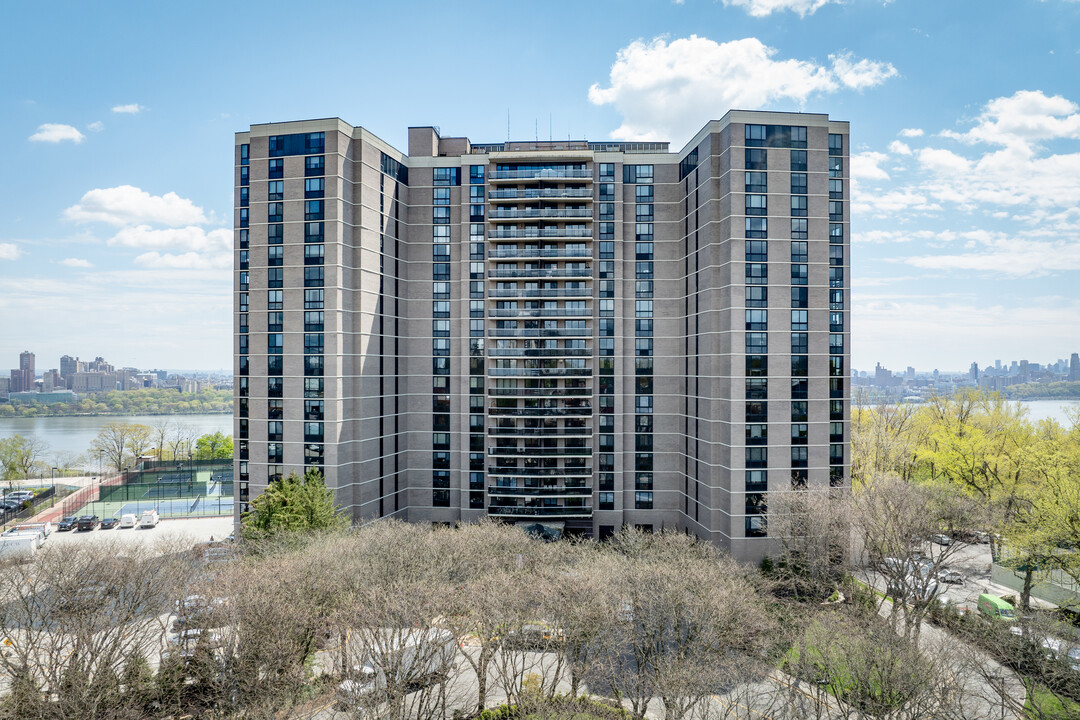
(73, 435)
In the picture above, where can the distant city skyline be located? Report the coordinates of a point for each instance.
(966, 234)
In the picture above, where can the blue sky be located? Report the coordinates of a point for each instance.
(117, 122)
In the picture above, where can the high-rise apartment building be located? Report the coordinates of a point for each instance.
(577, 334)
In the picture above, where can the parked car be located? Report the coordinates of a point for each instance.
(995, 608)
(109, 523)
(67, 523)
(128, 520)
(149, 519)
(951, 576)
(942, 539)
(88, 522)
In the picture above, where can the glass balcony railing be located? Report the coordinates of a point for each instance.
(540, 174)
(518, 511)
(538, 292)
(536, 492)
(538, 193)
(510, 233)
(539, 392)
(544, 312)
(541, 272)
(503, 213)
(532, 431)
(503, 252)
(539, 471)
(539, 352)
(539, 372)
(540, 332)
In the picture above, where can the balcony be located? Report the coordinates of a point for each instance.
(540, 174)
(505, 213)
(539, 471)
(540, 392)
(509, 233)
(539, 352)
(538, 492)
(538, 452)
(537, 292)
(538, 412)
(540, 332)
(540, 372)
(582, 272)
(546, 312)
(508, 252)
(550, 512)
(539, 193)
(547, 432)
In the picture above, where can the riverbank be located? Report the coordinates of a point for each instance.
(69, 437)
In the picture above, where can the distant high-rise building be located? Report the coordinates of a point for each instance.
(68, 367)
(581, 334)
(973, 371)
(910, 373)
(26, 361)
(1074, 367)
(997, 364)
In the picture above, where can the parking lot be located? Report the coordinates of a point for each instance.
(196, 530)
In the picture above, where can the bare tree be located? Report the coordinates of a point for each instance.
(121, 443)
(182, 441)
(814, 529)
(160, 431)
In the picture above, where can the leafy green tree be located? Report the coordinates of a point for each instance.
(19, 456)
(293, 505)
(214, 446)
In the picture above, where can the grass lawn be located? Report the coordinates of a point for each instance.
(1050, 705)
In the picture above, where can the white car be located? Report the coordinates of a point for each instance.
(128, 520)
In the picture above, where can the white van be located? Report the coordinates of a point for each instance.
(149, 519)
(128, 520)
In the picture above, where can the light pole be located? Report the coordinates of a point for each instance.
(52, 476)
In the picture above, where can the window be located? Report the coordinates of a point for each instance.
(800, 229)
(637, 173)
(757, 297)
(440, 215)
(836, 210)
(756, 205)
(836, 144)
(836, 255)
(757, 343)
(445, 176)
(836, 299)
(606, 500)
(314, 277)
(756, 159)
(276, 168)
(757, 320)
(644, 212)
(274, 212)
(275, 321)
(313, 232)
(314, 299)
(800, 343)
(313, 210)
(757, 365)
(799, 319)
(756, 182)
(476, 174)
(440, 196)
(643, 500)
(798, 161)
(757, 434)
(757, 251)
(836, 167)
(244, 221)
(275, 190)
(274, 299)
(799, 411)
(757, 274)
(756, 457)
(755, 135)
(275, 256)
(798, 183)
(836, 277)
(314, 165)
(799, 205)
(314, 187)
(800, 365)
(757, 227)
(836, 322)
(245, 154)
(244, 196)
(314, 321)
(836, 233)
(836, 189)
(799, 456)
(607, 191)
(799, 252)
(313, 254)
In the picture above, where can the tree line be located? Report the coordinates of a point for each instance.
(149, 401)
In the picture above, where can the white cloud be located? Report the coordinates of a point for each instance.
(864, 166)
(1023, 119)
(131, 109)
(57, 132)
(764, 8)
(668, 90)
(911, 132)
(97, 126)
(126, 205)
(76, 263)
(184, 261)
(898, 148)
(953, 331)
(860, 74)
(998, 254)
(9, 251)
(188, 238)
